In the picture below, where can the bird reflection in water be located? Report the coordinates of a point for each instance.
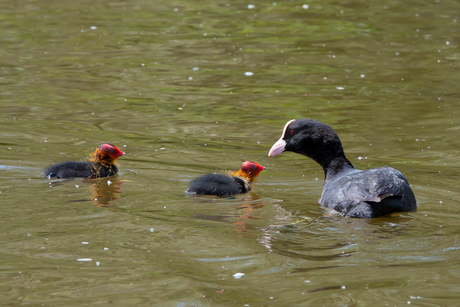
(104, 191)
(246, 222)
(242, 216)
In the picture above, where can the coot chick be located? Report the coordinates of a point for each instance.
(229, 183)
(352, 192)
(101, 164)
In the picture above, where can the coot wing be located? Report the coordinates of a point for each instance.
(368, 193)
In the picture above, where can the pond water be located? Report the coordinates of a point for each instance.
(189, 87)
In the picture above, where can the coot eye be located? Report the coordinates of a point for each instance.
(291, 131)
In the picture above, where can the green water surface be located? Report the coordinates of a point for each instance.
(189, 87)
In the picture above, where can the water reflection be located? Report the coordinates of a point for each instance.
(329, 237)
(243, 214)
(102, 191)
(245, 223)
(62, 90)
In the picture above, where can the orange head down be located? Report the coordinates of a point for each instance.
(106, 153)
(249, 170)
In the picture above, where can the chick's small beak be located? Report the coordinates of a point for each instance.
(277, 148)
(119, 153)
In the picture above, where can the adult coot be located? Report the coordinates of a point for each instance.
(101, 164)
(352, 192)
(228, 183)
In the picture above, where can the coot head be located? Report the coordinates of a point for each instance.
(313, 139)
(107, 153)
(252, 168)
(111, 150)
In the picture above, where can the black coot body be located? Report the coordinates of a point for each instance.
(218, 184)
(101, 164)
(230, 183)
(352, 192)
(80, 169)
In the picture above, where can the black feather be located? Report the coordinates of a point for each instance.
(81, 169)
(218, 184)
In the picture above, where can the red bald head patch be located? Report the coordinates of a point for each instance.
(252, 167)
(110, 150)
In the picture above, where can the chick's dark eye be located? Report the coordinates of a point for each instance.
(291, 131)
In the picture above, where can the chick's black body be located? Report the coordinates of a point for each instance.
(81, 169)
(219, 185)
(101, 164)
(229, 183)
(352, 192)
